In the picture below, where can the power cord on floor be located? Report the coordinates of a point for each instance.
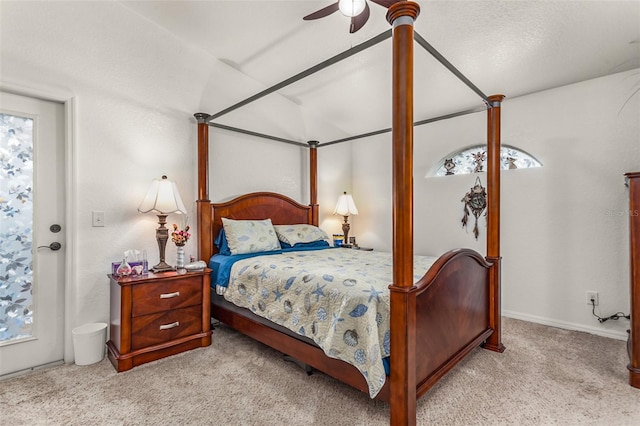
(615, 316)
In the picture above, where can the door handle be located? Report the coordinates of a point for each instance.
(55, 246)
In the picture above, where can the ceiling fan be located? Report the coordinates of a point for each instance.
(357, 10)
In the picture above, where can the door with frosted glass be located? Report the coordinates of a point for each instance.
(32, 233)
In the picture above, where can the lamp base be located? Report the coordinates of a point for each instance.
(162, 235)
(345, 231)
(162, 267)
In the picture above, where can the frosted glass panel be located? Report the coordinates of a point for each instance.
(474, 160)
(16, 224)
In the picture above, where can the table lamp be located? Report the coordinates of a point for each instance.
(346, 207)
(162, 198)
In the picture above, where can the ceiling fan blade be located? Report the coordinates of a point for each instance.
(385, 3)
(325, 11)
(358, 21)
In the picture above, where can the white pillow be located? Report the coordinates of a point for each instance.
(302, 233)
(250, 236)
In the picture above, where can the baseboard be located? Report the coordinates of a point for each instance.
(612, 334)
(31, 370)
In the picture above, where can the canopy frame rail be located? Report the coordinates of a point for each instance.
(415, 124)
(309, 71)
(448, 65)
(335, 59)
(257, 134)
(351, 138)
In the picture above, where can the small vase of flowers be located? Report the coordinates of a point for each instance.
(180, 238)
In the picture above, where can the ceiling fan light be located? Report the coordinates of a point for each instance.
(351, 8)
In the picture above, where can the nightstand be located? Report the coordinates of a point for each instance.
(158, 315)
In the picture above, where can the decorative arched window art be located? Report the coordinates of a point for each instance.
(474, 160)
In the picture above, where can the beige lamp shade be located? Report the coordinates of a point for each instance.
(163, 198)
(346, 206)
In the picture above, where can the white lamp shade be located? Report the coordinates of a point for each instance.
(346, 206)
(163, 198)
(351, 8)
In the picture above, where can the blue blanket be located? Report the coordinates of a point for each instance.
(221, 264)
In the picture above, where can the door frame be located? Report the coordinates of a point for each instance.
(70, 187)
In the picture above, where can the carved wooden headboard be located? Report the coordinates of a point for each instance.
(281, 209)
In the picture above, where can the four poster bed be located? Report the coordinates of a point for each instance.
(434, 319)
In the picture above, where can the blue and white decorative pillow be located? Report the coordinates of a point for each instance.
(302, 233)
(250, 236)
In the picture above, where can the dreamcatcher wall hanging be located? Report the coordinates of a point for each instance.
(475, 201)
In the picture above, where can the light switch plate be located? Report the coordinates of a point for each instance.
(97, 218)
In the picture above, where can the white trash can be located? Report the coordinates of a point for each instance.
(89, 343)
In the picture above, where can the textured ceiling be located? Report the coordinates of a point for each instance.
(508, 47)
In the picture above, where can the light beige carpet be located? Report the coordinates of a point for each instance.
(546, 376)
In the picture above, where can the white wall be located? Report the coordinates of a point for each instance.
(575, 236)
(136, 88)
(564, 226)
(239, 164)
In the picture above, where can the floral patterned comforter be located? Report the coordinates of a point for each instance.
(337, 297)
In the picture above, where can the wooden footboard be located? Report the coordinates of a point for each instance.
(452, 314)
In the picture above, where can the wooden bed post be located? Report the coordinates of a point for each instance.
(313, 181)
(203, 204)
(402, 292)
(494, 342)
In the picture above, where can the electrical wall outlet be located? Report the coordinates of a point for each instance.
(592, 295)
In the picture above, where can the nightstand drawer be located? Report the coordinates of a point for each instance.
(161, 296)
(154, 329)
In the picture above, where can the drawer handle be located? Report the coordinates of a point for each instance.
(169, 295)
(168, 326)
